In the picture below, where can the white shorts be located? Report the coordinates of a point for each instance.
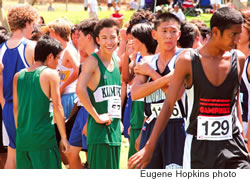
(215, 1)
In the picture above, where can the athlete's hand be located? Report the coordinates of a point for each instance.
(143, 68)
(64, 145)
(122, 127)
(140, 159)
(84, 130)
(137, 143)
(104, 119)
(129, 129)
(123, 34)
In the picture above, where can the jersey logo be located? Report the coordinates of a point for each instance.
(104, 93)
(215, 106)
(64, 75)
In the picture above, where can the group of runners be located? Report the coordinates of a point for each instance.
(173, 88)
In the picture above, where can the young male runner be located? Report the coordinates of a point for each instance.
(212, 74)
(68, 67)
(148, 84)
(15, 54)
(77, 140)
(36, 144)
(102, 99)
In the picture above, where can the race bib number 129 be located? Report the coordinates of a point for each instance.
(214, 128)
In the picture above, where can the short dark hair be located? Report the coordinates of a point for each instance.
(4, 35)
(143, 32)
(188, 34)
(204, 30)
(164, 17)
(224, 18)
(105, 23)
(45, 46)
(87, 26)
(140, 16)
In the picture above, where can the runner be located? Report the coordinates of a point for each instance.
(102, 99)
(17, 53)
(33, 88)
(149, 80)
(77, 140)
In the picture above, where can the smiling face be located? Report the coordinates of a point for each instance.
(167, 34)
(108, 40)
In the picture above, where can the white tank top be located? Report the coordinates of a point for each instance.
(66, 72)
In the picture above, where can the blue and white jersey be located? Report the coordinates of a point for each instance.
(154, 102)
(13, 60)
(245, 95)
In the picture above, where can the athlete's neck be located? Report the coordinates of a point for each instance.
(211, 49)
(36, 65)
(166, 55)
(15, 39)
(144, 52)
(91, 49)
(105, 57)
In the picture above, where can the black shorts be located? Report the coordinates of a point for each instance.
(225, 154)
(169, 149)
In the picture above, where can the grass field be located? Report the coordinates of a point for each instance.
(76, 13)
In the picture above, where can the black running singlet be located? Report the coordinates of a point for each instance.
(212, 115)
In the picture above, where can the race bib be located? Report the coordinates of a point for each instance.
(114, 108)
(176, 112)
(156, 109)
(214, 128)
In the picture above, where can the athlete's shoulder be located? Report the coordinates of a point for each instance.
(186, 55)
(50, 73)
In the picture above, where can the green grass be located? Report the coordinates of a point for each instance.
(76, 13)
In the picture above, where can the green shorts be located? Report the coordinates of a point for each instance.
(103, 156)
(134, 133)
(43, 159)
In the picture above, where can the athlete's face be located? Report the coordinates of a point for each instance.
(83, 41)
(244, 36)
(52, 62)
(136, 44)
(230, 37)
(167, 34)
(108, 40)
(30, 27)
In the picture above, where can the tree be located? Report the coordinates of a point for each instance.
(2, 17)
(21, 1)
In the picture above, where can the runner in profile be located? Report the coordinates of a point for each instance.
(33, 88)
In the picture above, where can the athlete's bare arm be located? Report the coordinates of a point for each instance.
(54, 82)
(128, 68)
(75, 63)
(248, 138)
(241, 61)
(141, 88)
(182, 74)
(15, 98)
(30, 52)
(2, 101)
(90, 77)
